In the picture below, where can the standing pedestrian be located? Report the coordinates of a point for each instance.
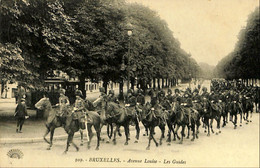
(21, 115)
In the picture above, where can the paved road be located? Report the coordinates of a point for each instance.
(231, 148)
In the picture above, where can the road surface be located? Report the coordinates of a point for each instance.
(231, 148)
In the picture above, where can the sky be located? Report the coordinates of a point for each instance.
(207, 29)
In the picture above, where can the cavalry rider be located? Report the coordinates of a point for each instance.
(63, 103)
(161, 96)
(130, 100)
(112, 97)
(205, 94)
(140, 100)
(187, 103)
(80, 109)
(153, 98)
(169, 96)
(99, 102)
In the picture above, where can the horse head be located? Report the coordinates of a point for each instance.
(43, 104)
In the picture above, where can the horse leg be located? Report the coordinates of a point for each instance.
(182, 134)
(149, 142)
(81, 137)
(152, 131)
(208, 125)
(90, 133)
(218, 126)
(251, 114)
(69, 140)
(169, 132)
(51, 138)
(188, 136)
(126, 126)
(241, 119)
(46, 133)
(176, 133)
(114, 140)
(162, 127)
(198, 126)
(193, 132)
(235, 122)
(211, 122)
(137, 131)
(98, 130)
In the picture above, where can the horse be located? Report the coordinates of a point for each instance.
(150, 120)
(182, 120)
(235, 108)
(114, 113)
(53, 119)
(247, 105)
(212, 111)
(92, 118)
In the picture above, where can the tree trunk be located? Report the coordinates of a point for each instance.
(154, 83)
(158, 83)
(121, 90)
(105, 82)
(82, 85)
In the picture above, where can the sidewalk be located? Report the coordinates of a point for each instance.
(33, 129)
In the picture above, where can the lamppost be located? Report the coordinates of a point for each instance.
(129, 29)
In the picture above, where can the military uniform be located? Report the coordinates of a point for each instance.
(63, 104)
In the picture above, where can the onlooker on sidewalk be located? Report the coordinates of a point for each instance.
(21, 114)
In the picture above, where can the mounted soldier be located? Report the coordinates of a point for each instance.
(63, 103)
(112, 97)
(80, 109)
(169, 96)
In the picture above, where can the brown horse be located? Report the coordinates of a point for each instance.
(118, 115)
(72, 126)
(53, 120)
(150, 120)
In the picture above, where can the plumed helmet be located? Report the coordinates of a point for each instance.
(78, 93)
(102, 89)
(62, 91)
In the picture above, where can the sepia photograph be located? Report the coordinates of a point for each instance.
(130, 83)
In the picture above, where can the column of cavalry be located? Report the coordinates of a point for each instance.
(181, 109)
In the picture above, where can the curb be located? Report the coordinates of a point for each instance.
(4, 141)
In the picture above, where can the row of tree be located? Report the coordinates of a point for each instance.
(244, 61)
(88, 39)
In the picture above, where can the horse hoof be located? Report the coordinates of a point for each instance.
(128, 139)
(180, 142)
(157, 144)
(107, 142)
(114, 142)
(192, 139)
(174, 139)
(240, 125)
(148, 148)
(168, 140)
(160, 143)
(120, 135)
(250, 120)
(205, 131)
(136, 141)
(49, 148)
(126, 143)
(81, 144)
(168, 144)
(216, 133)
(197, 137)
(246, 122)
(65, 152)
(219, 132)
(144, 134)
(208, 135)
(97, 148)
(102, 139)
(188, 138)
(77, 149)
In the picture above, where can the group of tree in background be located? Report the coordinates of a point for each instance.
(244, 61)
(88, 39)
